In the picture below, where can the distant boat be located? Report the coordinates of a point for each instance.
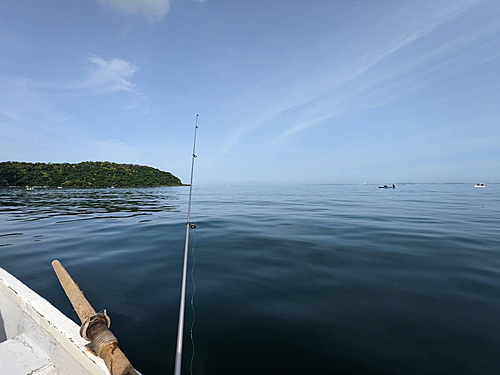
(480, 185)
(387, 187)
(29, 188)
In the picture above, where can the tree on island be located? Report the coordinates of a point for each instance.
(86, 174)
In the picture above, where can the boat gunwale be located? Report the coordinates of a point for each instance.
(57, 325)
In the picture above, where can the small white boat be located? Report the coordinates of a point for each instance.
(36, 338)
(479, 185)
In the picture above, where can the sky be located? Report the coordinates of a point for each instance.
(287, 91)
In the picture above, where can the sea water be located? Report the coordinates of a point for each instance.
(308, 279)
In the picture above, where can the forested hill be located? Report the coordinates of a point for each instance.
(86, 174)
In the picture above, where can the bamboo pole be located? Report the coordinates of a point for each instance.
(94, 326)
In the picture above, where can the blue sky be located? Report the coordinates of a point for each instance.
(287, 91)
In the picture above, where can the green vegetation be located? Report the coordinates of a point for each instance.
(87, 174)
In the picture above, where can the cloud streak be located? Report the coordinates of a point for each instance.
(101, 77)
(152, 10)
(327, 102)
(111, 76)
(43, 106)
(415, 34)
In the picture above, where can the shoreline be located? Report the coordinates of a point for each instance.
(85, 187)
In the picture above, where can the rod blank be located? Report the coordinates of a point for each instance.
(180, 328)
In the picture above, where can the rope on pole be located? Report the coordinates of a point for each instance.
(95, 326)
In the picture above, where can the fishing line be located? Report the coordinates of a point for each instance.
(193, 236)
(297, 254)
(192, 303)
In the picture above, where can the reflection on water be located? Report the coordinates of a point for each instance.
(321, 279)
(43, 203)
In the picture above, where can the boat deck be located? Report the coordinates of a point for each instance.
(37, 339)
(19, 356)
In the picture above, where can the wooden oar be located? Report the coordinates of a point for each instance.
(94, 326)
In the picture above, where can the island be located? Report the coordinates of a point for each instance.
(88, 174)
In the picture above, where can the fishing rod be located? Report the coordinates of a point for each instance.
(180, 329)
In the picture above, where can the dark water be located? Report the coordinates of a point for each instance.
(321, 279)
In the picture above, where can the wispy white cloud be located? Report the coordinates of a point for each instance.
(326, 102)
(152, 10)
(303, 125)
(109, 75)
(100, 76)
(417, 33)
(41, 108)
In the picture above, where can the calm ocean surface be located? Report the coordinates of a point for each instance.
(311, 279)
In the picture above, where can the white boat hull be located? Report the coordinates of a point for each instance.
(36, 338)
